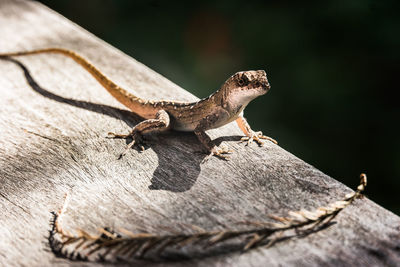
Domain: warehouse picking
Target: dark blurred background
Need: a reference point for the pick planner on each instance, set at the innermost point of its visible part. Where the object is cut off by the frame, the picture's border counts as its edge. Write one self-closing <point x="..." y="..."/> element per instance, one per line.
<point x="333" y="67"/>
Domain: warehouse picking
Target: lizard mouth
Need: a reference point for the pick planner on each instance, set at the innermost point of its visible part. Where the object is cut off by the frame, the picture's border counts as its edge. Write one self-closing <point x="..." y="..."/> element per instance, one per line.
<point x="266" y="86"/>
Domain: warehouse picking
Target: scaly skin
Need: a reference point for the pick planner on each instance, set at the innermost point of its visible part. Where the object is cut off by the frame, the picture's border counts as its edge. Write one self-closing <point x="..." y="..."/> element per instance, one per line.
<point x="220" y="108"/>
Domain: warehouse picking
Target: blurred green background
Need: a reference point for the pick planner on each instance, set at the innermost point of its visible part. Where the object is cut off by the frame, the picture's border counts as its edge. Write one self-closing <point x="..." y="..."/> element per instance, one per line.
<point x="333" y="67"/>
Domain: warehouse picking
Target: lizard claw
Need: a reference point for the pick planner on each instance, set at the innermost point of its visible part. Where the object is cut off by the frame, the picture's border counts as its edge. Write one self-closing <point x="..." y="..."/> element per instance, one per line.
<point x="129" y="146"/>
<point x="114" y="135"/>
<point x="257" y="136"/>
<point x="136" y="139"/>
<point x="219" y="152"/>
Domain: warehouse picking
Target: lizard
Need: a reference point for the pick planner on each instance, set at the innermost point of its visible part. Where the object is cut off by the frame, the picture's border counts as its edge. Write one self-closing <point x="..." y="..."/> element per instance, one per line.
<point x="222" y="107"/>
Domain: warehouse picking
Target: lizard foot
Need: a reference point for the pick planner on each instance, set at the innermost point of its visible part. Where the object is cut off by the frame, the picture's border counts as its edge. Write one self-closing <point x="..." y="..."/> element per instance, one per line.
<point x="136" y="139"/>
<point x="257" y="136"/>
<point x="219" y="152"/>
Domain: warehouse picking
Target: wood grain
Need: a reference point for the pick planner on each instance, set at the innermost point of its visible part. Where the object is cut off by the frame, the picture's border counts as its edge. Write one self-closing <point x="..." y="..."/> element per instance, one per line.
<point x="53" y="121"/>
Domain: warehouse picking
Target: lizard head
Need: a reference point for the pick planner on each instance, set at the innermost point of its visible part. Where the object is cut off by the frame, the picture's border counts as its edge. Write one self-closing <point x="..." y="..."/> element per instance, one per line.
<point x="254" y="81"/>
<point x="244" y="86"/>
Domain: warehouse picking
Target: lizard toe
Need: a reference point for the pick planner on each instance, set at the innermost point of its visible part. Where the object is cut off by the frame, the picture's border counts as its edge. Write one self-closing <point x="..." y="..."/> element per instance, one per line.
<point x="221" y="152"/>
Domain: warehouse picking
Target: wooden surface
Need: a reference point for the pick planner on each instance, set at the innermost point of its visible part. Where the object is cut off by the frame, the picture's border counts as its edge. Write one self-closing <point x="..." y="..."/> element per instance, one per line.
<point x="52" y="141"/>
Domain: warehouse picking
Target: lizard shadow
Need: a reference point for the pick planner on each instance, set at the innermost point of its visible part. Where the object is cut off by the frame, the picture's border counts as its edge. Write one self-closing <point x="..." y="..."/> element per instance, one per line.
<point x="128" y="117"/>
<point x="174" y="172"/>
<point x="178" y="166"/>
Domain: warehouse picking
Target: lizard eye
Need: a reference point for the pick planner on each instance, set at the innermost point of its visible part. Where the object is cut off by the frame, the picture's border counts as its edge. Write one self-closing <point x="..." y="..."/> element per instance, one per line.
<point x="241" y="82"/>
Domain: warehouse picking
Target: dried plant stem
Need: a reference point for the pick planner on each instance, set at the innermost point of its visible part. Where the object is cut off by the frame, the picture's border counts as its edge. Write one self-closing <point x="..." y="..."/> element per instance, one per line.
<point x="110" y="245"/>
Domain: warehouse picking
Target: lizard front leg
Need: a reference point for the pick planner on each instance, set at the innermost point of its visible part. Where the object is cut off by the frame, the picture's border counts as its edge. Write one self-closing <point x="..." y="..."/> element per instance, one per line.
<point x="250" y="134"/>
<point x="214" y="150"/>
<point x="160" y="123"/>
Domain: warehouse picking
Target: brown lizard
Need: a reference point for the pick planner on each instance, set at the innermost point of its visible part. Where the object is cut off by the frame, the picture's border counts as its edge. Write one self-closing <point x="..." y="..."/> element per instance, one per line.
<point x="220" y="108"/>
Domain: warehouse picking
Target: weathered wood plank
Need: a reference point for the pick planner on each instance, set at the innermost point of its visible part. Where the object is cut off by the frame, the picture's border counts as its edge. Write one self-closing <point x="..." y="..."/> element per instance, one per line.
<point x="52" y="140"/>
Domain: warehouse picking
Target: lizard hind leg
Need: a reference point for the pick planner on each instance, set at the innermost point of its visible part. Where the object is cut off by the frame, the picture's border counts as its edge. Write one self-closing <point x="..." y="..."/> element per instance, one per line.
<point x="160" y="123"/>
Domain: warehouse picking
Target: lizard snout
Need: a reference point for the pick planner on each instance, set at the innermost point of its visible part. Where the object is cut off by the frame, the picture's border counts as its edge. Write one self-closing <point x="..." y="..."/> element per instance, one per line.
<point x="266" y="86"/>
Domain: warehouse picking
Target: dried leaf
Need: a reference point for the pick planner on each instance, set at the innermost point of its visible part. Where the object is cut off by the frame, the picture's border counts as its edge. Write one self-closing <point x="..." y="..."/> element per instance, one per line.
<point x="253" y="241"/>
<point x="301" y="221"/>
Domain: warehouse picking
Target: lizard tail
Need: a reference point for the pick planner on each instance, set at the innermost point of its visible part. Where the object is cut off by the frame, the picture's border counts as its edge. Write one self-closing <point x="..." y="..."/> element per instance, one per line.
<point x="123" y="96"/>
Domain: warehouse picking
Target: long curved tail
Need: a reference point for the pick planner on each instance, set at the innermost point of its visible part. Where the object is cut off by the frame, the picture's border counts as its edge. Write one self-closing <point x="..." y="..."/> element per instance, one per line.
<point x="123" y="96"/>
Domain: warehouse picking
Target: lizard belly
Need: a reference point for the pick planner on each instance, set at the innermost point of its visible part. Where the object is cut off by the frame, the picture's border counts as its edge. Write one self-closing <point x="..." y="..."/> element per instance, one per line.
<point x="213" y="119"/>
<point x="183" y="126"/>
